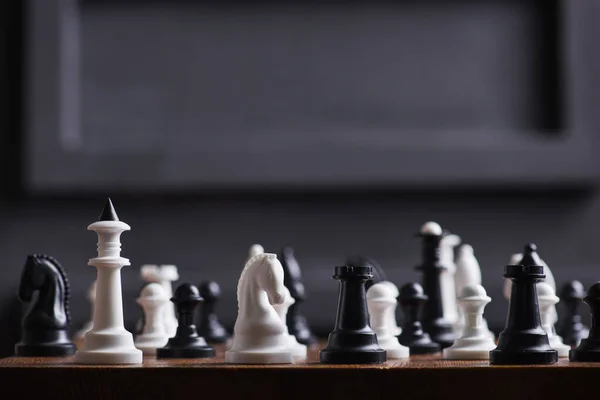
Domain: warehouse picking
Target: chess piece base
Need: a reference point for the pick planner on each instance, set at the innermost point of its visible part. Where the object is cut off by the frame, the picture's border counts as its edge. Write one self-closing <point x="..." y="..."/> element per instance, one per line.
<point x="501" y="357"/>
<point x="584" y="356"/>
<point x="470" y="348"/>
<point x="149" y="345"/>
<point x="424" y="348"/>
<point x="133" y="356"/>
<point x="376" y="356"/>
<point x="561" y="348"/>
<point x="44" y="350"/>
<point x="185" y="352"/>
<point x="397" y="353"/>
<point x="250" y="357"/>
<point x="114" y="347"/>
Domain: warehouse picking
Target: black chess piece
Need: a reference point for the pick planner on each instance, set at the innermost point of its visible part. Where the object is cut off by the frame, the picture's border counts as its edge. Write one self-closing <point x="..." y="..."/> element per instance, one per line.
<point x="412" y="298"/>
<point x="524" y="341"/>
<point x="352" y="341"/>
<point x="210" y="328"/>
<point x="589" y="348"/>
<point x="572" y="330"/>
<point x="292" y="279"/>
<point x="46" y="323"/>
<point x="186" y="343"/>
<point x="364" y="261"/>
<point x="439" y="329"/>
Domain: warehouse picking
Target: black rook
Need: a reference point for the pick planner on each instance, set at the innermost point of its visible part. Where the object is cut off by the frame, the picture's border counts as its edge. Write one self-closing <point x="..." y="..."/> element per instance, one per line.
<point x="352" y="341"/>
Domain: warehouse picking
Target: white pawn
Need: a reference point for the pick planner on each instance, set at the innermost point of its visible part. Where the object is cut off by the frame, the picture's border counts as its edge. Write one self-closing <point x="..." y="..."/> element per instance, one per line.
<point x="396" y="330"/>
<point x="164" y="275"/>
<point x="475" y="343"/>
<point x="154" y="335"/>
<point x="547" y="300"/>
<point x="298" y="349"/>
<point x="91" y="295"/>
<point x="380" y="300"/>
<point x="108" y="342"/>
<point x="447" y="284"/>
<point x="468" y="272"/>
<point x="259" y="334"/>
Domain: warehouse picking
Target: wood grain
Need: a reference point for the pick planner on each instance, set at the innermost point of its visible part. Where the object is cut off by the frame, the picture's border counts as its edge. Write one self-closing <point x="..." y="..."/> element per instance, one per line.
<point x="421" y="376"/>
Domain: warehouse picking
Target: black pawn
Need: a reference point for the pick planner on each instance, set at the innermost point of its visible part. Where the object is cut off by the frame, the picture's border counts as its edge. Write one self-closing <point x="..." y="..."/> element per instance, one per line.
<point x="292" y="279"/>
<point x="352" y="341"/>
<point x="524" y="341"/>
<point x="572" y="330"/>
<point x="46" y="323"/>
<point x="210" y="328"/>
<point x="186" y="343"/>
<point x="439" y="329"/>
<point x="412" y="300"/>
<point x="589" y="349"/>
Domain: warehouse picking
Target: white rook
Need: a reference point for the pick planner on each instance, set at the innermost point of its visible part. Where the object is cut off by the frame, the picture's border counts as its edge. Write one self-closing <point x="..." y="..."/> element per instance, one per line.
<point x="108" y="342"/>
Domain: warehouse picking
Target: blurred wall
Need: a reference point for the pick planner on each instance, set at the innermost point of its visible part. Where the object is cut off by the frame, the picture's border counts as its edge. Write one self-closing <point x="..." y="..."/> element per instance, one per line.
<point x="207" y="236"/>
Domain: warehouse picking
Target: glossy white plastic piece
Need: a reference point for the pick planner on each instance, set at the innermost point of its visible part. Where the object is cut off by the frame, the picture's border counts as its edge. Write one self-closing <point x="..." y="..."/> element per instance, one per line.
<point x="108" y="342"/>
<point x="165" y="275"/>
<point x="260" y="337"/>
<point x="298" y="349"/>
<point x="547" y="300"/>
<point x="549" y="279"/>
<point x="91" y="296"/>
<point x="447" y="284"/>
<point x="255" y="250"/>
<point x="380" y="300"/>
<point x="431" y="228"/>
<point x="396" y="330"/>
<point x="468" y="272"/>
<point x="475" y="342"/>
<point x="153" y="299"/>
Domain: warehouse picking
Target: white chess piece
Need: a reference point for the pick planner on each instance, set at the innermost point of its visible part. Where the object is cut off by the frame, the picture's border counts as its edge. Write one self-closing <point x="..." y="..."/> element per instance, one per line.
<point x="164" y="275"/>
<point x="447" y="285"/>
<point x="468" y="272"/>
<point x="259" y="334"/>
<point x="91" y="295"/>
<point x="396" y="330"/>
<point x="547" y="300"/>
<point x="255" y="250"/>
<point x="298" y="349"/>
<point x="380" y="300"/>
<point x="515" y="259"/>
<point x="108" y="342"/>
<point x="475" y="342"/>
<point x="152" y="299"/>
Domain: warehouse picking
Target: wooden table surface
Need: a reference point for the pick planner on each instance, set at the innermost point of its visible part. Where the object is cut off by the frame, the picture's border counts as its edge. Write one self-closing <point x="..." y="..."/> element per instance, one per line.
<point x="419" y="377"/>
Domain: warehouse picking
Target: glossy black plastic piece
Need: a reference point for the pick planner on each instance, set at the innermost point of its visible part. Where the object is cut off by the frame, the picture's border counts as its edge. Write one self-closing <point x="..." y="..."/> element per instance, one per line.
<point x="439" y="329"/>
<point x="352" y="341"/>
<point x="589" y="348"/>
<point x="186" y="343"/>
<point x="108" y="212"/>
<point x="292" y="279"/>
<point x="364" y="261"/>
<point x="46" y="323"/>
<point x="210" y="327"/>
<point x="412" y="298"/>
<point x="524" y="341"/>
<point x="572" y="329"/>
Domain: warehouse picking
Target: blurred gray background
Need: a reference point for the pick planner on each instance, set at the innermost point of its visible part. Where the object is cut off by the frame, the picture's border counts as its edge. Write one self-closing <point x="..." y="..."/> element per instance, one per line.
<point x="337" y="127"/>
